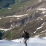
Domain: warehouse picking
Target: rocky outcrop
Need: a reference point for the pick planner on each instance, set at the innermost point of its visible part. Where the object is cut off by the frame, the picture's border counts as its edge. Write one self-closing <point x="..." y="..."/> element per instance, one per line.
<point x="24" y="21"/>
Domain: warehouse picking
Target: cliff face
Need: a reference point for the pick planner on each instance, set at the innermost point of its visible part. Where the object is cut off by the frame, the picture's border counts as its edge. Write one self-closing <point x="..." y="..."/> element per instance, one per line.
<point x="28" y="19"/>
<point x="22" y="22"/>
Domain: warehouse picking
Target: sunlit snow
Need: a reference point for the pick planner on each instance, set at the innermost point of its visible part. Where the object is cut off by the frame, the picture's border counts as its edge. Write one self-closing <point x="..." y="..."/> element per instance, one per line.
<point x="39" y="18"/>
<point x="39" y="27"/>
<point x="45" y="15"/>
<point x="5" y="29"/>
<point x="9" y="8"/>
<point x="18" y="15"/>
<point x="43" y="12"/>
<point x="0" y="18"/>
<point x="42" y="9"/>
<point x="43" y="31"/>
<point x="31" y="42"/>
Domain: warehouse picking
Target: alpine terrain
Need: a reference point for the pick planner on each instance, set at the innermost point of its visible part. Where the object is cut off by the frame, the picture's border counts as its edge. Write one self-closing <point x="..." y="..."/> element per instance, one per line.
<point x="16" y="16"/>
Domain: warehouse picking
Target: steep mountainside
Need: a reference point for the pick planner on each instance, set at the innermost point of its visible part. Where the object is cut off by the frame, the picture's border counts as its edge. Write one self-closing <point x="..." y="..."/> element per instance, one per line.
<point x="30" y="17"/>
<point x="10" y="7"/>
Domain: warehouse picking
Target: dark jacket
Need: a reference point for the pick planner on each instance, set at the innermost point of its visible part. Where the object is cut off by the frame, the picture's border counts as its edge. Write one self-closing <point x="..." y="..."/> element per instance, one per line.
<point x="25" y="35"/>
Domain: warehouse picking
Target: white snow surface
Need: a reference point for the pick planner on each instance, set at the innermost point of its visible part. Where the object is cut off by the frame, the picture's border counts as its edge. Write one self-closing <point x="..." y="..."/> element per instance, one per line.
<point x="43" y="31"/>
<point x="5" y="29"/>
<point x="30" y="42"/>
<point x="17" y="16"/>
<point x="43" y="12"/>
<point x="39" y="18"/>
<point x="9" y="8"/>
<point x="45" y="15"/>
<point x="42" y="9"/>
<point x="40" y="27"/>
<point x="0" y="18"/>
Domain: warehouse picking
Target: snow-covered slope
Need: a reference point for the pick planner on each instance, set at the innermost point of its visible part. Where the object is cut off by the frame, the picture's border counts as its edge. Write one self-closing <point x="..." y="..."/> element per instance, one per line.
<point x="31" y="42"/>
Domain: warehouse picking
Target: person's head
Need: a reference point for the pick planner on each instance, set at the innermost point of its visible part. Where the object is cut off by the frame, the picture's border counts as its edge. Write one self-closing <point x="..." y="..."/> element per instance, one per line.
<point x="24" y="31"/>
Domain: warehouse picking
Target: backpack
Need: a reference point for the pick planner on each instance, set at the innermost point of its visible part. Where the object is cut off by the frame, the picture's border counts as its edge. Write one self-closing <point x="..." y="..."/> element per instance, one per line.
<point x="27" y="35"/>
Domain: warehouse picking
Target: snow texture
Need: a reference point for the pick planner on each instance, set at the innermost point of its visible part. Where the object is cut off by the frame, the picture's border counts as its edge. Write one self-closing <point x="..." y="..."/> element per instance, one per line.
<point x="17" y="15"/>
<point x="31" y="42"/>
<point x="42" y="9"/>
<point x="5" y="29"/>
<point x="0" y="18"/>
<point x="39" y="18"/>
<point x="40" y="26"/>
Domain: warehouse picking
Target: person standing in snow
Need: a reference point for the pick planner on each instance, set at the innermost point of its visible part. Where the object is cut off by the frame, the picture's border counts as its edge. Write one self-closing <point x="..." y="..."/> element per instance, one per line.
<point x="25" y="36"/>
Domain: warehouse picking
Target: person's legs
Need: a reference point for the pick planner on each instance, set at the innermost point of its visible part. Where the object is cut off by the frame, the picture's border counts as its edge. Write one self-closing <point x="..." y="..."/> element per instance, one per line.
<point x="25" y="42"/>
